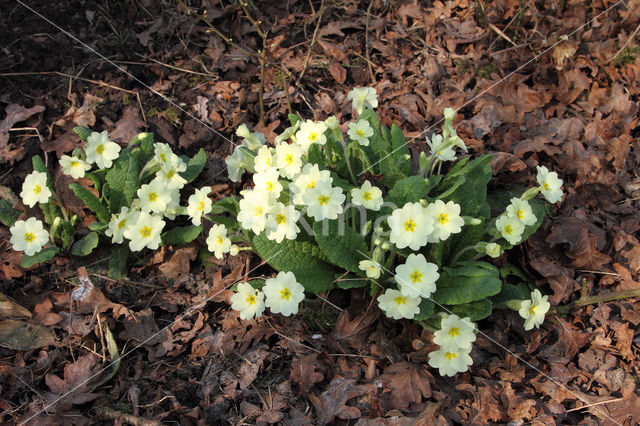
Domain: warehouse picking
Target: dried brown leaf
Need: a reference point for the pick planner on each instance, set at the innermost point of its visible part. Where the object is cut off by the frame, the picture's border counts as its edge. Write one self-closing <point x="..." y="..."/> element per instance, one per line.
<point x="407" y="383"/>
<point x="23" y="336"/>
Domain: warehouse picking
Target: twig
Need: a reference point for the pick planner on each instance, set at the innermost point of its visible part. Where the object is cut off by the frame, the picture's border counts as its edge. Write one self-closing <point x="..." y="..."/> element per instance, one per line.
<point x="594" y="404"/>
<point x="75" y="77"/>
<point x="625" y="43"/>
<point x="261" y="56"/>
<point x="501" y="34"/>
<point x="585" y="300"/>
<point x="217" y="31"/>
<point x="290" y="339"/>
<point x="313" y="42"/>
<point x="366" y="44"/>
<point x="112" y="414"/>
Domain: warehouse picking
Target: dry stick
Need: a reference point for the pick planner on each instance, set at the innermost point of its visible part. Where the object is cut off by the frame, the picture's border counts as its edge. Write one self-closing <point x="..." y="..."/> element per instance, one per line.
<point x="109" y="413"/>
<point x="88" y="80"/>
<point x="313" y="42"/>
<point x="262" y="57"/>
<point x="625" y="43"/>
<point x="366" y="44"/>
<point x="585" y="300"/>
<point x="594" y="404"/>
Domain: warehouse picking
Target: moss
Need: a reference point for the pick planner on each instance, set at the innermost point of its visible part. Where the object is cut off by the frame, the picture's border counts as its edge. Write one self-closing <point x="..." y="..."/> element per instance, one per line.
<point x="627" y="56"/>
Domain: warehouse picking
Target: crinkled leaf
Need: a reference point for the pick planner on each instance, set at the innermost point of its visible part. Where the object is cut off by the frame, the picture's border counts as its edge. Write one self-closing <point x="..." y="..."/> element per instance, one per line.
<point x="98" y="226"/>
<point x="510" y="292"/>
<point x="195" y="166"/>
<point x="83" y="132"/>
<point x="400" y="150"/>
<point x="426" y="310"/>
<point x="350" y="281"/>
<point x="469" y="282"/>
<point x="472" y="193"/>
<point x="123" y="181"/>
<point x="342" y="245"/>
<point x="181" y="235"/>
<point x="85" y="245"/>
<point x="474" y="310"/>
<point x="91" y="201"/>
<point x="316" y="156"/>
<point x="226" y="205"/>
<point x="408" y="190"/>
<point x="8" y="215"/>
<point x="23" y="336"/>
<point x="305" y="260"/>
<point x="42" y="256"/>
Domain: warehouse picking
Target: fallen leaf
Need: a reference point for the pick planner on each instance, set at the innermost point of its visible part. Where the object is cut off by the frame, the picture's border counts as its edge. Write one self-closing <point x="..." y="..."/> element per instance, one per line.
<point x="10" y="309"/>
<point x="338" y="72"/>
<point x="307" y="371"/>
<point x="128" y="126"/>
<point x="22" y="336"/>
<point x="333" y="402"/>
<point x="251" y="364"/>
<point x="333" y="50"/>
<point x="407" y="383"/>
<point x="582" y="244"/>
<point x="15" y="114"/>
<point x="75" y="386"/>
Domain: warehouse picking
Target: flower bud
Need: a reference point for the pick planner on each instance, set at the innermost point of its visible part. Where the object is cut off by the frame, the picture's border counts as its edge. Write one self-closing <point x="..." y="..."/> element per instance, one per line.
<point x="386" y="245"/>
<point x="234" y="250"/>
<point x="332" y="123"/>
<point x="449" y="113"/>
<point x="530" y="193"/>
<point x="468" y="220"/>
<point x="422" y="161"/>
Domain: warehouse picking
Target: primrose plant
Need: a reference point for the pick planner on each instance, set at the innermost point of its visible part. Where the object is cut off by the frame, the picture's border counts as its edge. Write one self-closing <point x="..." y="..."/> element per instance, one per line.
<point x="135" y="194"/>
<point x="328" y="211"/>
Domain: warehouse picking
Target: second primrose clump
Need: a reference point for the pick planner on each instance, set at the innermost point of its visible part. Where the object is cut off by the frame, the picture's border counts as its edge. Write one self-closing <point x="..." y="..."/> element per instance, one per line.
<point x="328" y="211"/>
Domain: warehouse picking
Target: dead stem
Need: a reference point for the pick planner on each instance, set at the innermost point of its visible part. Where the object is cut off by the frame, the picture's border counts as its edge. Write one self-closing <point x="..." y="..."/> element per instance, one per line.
<point x="313" y="42"/>
<point x="366" y="44"/>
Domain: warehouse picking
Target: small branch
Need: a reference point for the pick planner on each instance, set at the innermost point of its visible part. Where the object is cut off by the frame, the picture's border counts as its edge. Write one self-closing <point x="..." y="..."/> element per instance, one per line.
<point x="585" y="300"/>
<point x="366" y="44"/>
<point x="313" y="42"/>
<point x="625" y="43"/>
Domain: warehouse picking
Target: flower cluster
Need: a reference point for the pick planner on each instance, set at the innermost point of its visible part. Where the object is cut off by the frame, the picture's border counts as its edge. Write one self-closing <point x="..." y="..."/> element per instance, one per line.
<point x="454" y="338"/>
<point x="281" y="295"/>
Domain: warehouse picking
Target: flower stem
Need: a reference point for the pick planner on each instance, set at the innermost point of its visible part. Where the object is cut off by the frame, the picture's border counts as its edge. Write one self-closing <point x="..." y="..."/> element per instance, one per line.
<point x="464" y="250"/>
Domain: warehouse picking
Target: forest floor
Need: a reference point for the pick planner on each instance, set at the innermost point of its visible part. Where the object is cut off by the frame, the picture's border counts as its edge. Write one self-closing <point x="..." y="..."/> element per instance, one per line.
<point x="535" y="83"/>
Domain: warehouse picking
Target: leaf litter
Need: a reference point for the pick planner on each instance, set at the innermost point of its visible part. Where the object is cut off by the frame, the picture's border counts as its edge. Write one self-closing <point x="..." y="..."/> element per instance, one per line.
<point x="571" y="109"/>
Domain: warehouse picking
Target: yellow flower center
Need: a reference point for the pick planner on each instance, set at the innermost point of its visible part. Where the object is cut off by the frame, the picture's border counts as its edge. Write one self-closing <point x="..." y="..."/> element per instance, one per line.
<point x="520" y="214"/>
<point x="267" y="161"/>
<point x="153" y="196"/>
<point x="220" y="240"/>
<point x="416" y="277"/>
<point x="443" y="218"/>
<point x="251" y="300"/>
<point x="323" y="199"/>
<point x="285" y="294"/>
<point x="145" y="232"/>
<point x="29" y="237"/>
<point x="410" y="225"/>
<point x="163" y="157"/>
<point x="122" y="223"/>
<point x="37" y="189"/>
<point x="100" y="149"/>
<point x="366" y="196"/>
<point x="508" y="229"/>
<point x="546" y="186"/>
<point x="201" y="206"/>
<point x="313" y="136"/>
<point x="400" y="300"/>
<point x="450" y="355"/>
<point x="454" y="331"/>
<point x="269" y="186"/>
<point x="311" y="184"/>
<point x="75" y="164"/>
<point x="280" y="219"/>
<point x="532" y="310"/>
<point x="258" y="211"/>
<point x="289" y="159"/>
<point x="170" y="174"/>
<point x="360" y="133"/>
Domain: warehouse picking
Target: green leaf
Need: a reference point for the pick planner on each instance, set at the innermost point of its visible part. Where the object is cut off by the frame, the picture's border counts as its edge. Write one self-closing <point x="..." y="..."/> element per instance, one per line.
<point x="92" y="202"/>
<point x="471" y="281"/>
<point x="293" y="119"/>
<point x="408" y="190"/>
<point x="226" y="205"/>
<point x="256" y="283"/>
<point x="181" y="235"/>
<point x="85" y="245"/>
<point x="228" y="221"/>
<point x="98" y="226"/>
<point x="475" y="310"/>
<point x="195" y="166"/>
<point x="67" y="234"/>
<point x="8" y="215"/>
<point x="305" y="260"/>
<point x="343" y="247"/>
<point x="42" y="256"/>
<point x="350" y="282"/>
<point x="118" y="261"/>
<point x="83" y="132"/>
<point x="315" y="156"/>
<point x="123" y="181"/>
<point x="472" y="193"/>
<point x="426" y="310"/>
<point x="511" y="292"/>
<point x="51" y="212"/>
<point x="141" y="146"/>
<point x="97" y="177"/>
<point x="400" y="150"/>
